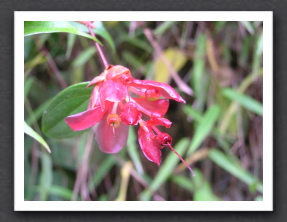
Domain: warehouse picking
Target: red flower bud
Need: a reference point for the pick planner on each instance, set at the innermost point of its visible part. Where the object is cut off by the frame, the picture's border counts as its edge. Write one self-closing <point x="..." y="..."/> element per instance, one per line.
<point x="163" y="140"/>
<point x="130" y="115"/>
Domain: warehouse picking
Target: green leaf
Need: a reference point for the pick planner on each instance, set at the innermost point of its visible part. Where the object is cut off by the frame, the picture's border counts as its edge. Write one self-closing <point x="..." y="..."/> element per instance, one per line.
<point x="46" y="177"/>
<point x="135" y="41"/>
<point x="37" y="27"/>
<point x="183" y="182"/>
<point x="132" y="148"/>
<point x="27" y="86"/>
<point x="61" y="192"/>
<point x="101" y="172"/>
<point x="98" y="30"/>
<point x="101" y="31"/>
<point x="192" y="113"/>
<point x="29" y="131"/>
<point x="234" y="168"/>
<point x="70" y="44"/>
<point x="244" y="100"/>
<point x="198" y="77"/>
<point x="37" y="113"/>
<point x="71" y="100"/>
<point x="131" y="59"/>
<point x="248" y="26"/>
<point x="204" y="127"/>
<point x="203" y="191"/>
<point x="163" y="27"/>
<point x="84" y="57"/>
<point x="166" y="169"/>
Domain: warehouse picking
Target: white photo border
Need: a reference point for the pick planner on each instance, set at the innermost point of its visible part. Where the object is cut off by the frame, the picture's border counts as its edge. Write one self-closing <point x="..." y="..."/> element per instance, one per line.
<point x="21" y="205"/>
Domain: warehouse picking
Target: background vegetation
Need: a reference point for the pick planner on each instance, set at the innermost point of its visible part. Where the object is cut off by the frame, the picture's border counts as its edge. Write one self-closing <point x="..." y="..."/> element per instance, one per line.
<point x="217" y="69"/>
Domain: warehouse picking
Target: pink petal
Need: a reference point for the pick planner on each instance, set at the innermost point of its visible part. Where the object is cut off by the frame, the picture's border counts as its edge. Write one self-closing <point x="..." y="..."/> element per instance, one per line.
<point x="112" y="91"/>
<point x="111" y="140"/>
<point x="95" y="98"/>
<point x="158" y="121"/>
<point x="130" y="115"/>
<point x="147" y="144"/>
<point x="116" y="71"/>
<point x="96" y="80"/>
<point x="152" y="108"/>
<point x="164" y="89"/>
<point x="86" y="119"/>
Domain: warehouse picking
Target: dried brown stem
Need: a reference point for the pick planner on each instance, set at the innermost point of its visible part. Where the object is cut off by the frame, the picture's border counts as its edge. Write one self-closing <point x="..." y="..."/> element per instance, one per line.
<point x="181" y="84"/>
<point x="81" y="179"/>
<point x="54" y="67"/>
<point x="138" y="178"/>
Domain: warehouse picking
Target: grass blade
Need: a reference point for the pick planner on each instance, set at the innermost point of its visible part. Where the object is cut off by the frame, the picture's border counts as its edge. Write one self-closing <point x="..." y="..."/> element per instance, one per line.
<point x="244" y="100"/>
<point x="29" y="131"/>
<point x="46" y="177"/>
<point x="204" y="127"/>
<point x="166" y="169"/>
<point x="62" y="192"/>
<point x="202" y="190"/>
<point x="101" y="172"/>
<point x="234" y="168"/>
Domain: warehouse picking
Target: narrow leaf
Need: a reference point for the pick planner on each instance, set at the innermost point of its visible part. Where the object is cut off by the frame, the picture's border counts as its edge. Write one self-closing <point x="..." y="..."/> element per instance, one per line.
<point x="62" y="192"/>
<point x="204" y="127"/>
<point x="99" y="30"/>
<point x="183" y="182"/>
<point x="244" y="100"/>
<point x="29" y="131"/>
<point x="166" y="169"/>
<point x="247" y="25"/>
<point x="38" y="27"/>
<point x="70" y="44"/>
<point x="83" y="57"/>
<point x="163" y="27"/>
<point x="234" y="168"/>
<point x="198" y="77"/>
<point x="203" y="190"/>
<point x="46" y="177"/>
<point x="101" y="172"/>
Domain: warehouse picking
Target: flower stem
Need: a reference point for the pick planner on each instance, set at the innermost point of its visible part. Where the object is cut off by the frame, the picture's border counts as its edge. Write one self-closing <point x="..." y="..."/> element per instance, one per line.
<point x="104" y="60"/>
<point x="192" y="172"/>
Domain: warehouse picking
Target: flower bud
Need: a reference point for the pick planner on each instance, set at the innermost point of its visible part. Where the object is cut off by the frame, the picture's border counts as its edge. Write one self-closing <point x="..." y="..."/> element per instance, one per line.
<point x="130" y="115"/>
<point x="163" y="140"/>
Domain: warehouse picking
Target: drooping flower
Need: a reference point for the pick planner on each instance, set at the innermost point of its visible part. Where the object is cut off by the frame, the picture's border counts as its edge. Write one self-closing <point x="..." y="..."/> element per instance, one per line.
<point x="113" y="107"/>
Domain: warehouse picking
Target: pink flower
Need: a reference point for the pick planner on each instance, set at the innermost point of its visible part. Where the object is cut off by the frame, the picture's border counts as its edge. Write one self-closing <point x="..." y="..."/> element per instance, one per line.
<point x="117" y="101"/>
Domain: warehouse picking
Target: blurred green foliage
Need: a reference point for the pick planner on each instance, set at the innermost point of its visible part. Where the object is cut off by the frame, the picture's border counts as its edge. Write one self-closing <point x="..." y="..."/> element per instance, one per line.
<point x="218" y="131"/>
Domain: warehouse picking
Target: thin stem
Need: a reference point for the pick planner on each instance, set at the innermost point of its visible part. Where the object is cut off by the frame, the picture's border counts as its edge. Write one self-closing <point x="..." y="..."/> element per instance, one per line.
<point x="156" y="130"/>
<point x="54" y="67"/>
<point x="138" y="178"/>
<point x="193" y="174"/>
<point x="180" y="83"/>
<point x="106" y="65"/>
<point x="136" y="91"/>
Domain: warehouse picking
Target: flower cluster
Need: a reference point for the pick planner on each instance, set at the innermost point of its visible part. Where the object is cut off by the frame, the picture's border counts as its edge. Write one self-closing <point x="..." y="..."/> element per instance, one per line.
<point x="117" y="101"/>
